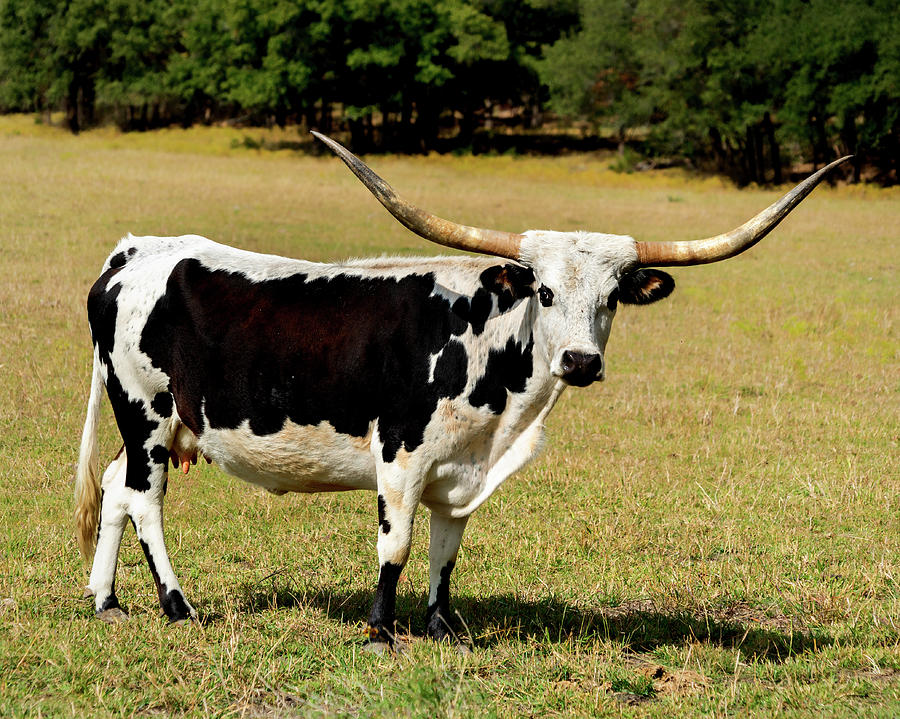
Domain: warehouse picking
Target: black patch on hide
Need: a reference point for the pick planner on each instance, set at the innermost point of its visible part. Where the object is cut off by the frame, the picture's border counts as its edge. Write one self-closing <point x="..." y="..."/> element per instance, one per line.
<point x="507" y="370"/>
<point x="346" y="350"/>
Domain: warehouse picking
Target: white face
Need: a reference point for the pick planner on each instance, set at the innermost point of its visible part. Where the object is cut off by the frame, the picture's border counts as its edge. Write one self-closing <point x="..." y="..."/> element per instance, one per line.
<point x="576" y="276"/>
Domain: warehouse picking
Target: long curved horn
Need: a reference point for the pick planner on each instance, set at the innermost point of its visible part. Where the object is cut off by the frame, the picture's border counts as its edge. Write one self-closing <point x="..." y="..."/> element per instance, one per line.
<point x="721" y="247"/>
<point x="431" y="227"/>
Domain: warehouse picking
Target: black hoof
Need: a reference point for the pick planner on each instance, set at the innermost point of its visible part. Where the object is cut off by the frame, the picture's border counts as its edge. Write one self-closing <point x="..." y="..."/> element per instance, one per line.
<point x="441" y="634"/>
<point x="176" y="608"/>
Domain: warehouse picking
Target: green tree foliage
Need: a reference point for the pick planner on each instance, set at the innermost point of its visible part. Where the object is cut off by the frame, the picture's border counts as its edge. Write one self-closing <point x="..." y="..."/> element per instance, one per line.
<point x="740" y="84"/>
<point x="134" y="81"/>
<point x="592" y="73"/>
<point x="25" y="48"/>
<point x="144" y="63"/>
<point x="841" y="84"/>
<point x="745" y="86"/>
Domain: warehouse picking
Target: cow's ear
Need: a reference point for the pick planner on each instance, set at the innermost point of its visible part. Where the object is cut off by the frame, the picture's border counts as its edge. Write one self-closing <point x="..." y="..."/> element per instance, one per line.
<point x="642" y="287"/>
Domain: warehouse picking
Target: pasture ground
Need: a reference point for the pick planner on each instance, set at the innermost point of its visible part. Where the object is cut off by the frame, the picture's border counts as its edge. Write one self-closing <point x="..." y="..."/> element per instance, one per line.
<point x="712" y="531"/>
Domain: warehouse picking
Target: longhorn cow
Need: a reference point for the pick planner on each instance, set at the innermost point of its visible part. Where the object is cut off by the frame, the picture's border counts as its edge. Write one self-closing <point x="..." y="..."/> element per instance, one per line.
<point x="425" y="380"/>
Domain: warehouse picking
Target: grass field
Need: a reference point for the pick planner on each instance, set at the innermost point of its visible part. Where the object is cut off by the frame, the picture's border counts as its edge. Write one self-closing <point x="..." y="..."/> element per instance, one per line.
<point x="715" y="530"/>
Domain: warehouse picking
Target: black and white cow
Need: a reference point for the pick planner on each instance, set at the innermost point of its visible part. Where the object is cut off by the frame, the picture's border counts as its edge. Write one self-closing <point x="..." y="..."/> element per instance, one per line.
<point x="425" y="380"/>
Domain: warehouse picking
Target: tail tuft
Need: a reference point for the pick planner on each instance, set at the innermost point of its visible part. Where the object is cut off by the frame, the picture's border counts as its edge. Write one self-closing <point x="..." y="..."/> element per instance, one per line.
<point x="87" y="485"/>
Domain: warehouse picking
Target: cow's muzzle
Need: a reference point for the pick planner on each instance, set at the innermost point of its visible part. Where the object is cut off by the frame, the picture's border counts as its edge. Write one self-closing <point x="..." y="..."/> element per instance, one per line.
<point x="580" y="369"/>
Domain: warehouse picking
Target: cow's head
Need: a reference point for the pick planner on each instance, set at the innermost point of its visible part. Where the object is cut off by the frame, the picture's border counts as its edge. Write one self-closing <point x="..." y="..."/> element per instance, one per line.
<point x="581" y="277"/>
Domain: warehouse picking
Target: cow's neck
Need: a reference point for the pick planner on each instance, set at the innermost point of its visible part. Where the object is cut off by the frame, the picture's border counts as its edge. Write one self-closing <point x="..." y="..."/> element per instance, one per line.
<point x="526" y="411"/>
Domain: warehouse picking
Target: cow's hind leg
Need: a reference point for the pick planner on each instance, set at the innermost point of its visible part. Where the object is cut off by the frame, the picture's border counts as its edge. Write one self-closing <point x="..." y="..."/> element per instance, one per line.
<point x="121" y="502"/>
<point x="446" y="535"/>
<point x="135" y="491"/>
<point x="146" y="483"/>
<point x="148" y="523"/>
<point x="102" y="583"/>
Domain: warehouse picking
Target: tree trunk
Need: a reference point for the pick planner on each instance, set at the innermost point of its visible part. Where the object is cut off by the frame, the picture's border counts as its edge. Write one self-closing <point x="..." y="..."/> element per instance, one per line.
<point x="774" y="153"/>
<point x="71" y="106"/>
<point x="851" y="142"/>
<point x="468" y="123"/>
<point x="309" y="115"/>
<point x="387" y="129"/>
<point x="426" y="124"/>
<point x="407" y="131"/>
<point x="750" y="155"/>
<point x="327" y="119"/>
<point x="820" y="142"/>
<point x="760" y="156"/>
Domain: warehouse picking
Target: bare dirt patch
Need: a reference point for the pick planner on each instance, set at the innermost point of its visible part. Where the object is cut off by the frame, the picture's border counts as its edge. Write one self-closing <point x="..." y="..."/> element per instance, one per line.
<point x="647" y="681"/>
<point x="680" y="682"/>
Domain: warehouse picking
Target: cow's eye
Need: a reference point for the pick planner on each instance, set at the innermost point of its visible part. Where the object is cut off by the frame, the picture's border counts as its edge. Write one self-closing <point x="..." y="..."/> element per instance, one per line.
<point x="613" y="300"/>
<point x="545" y="294"/>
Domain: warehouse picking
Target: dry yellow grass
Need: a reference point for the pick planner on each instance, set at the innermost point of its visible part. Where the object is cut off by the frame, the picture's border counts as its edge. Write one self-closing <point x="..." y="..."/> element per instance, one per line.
<point x="714" y="530"/>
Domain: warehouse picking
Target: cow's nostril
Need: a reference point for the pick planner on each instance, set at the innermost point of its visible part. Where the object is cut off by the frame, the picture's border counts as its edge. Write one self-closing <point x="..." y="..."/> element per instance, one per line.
<point x="581" y="369"/>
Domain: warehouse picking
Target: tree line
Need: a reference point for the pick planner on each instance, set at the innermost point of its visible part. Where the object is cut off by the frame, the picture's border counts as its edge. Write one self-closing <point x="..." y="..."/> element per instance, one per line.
<point x="745" y="87"/>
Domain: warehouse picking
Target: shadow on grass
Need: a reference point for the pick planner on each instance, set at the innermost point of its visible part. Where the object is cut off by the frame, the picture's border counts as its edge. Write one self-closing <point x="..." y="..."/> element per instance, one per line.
<point x="638" y="625"/>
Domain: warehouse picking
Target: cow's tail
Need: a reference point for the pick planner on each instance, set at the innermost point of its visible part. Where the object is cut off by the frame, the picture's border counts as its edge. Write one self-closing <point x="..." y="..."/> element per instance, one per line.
<point x="87" y="483"/>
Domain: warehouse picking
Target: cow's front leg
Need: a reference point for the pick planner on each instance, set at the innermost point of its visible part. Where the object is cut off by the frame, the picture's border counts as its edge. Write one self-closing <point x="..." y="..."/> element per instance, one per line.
<point x="446" y="534"/>
<point x="398" y="497"/>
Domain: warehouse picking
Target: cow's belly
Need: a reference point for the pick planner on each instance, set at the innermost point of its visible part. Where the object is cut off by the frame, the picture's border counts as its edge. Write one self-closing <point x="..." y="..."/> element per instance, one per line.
<point x="295" y="459"/>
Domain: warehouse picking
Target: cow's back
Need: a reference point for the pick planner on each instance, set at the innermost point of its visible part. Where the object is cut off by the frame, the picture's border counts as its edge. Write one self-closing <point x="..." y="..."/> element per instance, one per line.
<point x="282" y="367"/>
